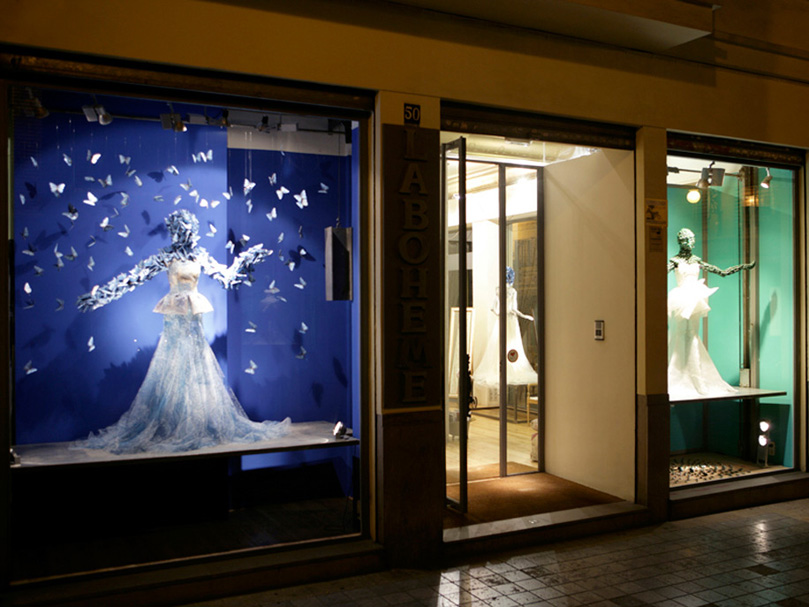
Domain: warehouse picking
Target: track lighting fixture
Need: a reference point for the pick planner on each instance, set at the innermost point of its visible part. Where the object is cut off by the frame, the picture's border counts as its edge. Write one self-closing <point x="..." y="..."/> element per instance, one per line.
<point x="34" y="108"/>
<point x="97" y="113"/>
<point x="222" y="121"/>
<point x="765" y="183"/>
<point x="264" y="125"/>
<point x="711" y="176"/>
<point x="173" y="122"/>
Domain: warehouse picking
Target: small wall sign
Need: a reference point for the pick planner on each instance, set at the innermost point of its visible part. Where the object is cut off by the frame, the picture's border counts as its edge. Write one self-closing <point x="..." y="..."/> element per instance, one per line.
<point x="412" y="114"/>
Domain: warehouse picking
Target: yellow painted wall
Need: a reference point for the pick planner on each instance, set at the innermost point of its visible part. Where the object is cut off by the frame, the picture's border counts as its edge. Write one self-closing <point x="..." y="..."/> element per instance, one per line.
<point x="385" y="47"/>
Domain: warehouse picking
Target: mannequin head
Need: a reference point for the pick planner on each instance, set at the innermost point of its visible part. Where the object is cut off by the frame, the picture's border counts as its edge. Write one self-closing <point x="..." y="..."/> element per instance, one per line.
<point x="686" y="239"/>
<point x="183" y="226"/>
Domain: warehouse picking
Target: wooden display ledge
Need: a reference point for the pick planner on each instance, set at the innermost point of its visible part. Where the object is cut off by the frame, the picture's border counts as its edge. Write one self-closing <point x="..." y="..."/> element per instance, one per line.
<point x="741" y="394"/>
<point x="303" y="435"/>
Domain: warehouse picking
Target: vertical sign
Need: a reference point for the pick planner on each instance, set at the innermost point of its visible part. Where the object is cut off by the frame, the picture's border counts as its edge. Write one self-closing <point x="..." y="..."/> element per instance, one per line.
<point x="413" y="325"/>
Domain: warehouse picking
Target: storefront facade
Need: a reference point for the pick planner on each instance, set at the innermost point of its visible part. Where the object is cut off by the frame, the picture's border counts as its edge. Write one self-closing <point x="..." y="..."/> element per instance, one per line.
<point x="540" y="182"/>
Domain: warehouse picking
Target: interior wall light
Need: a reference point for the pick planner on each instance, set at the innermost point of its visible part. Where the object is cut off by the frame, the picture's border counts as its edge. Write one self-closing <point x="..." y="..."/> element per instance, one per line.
<point x="97" y="113"/>
<point x="693" y="196"/>
<point x="764" y="443"/>
<point x="765" y="183"/>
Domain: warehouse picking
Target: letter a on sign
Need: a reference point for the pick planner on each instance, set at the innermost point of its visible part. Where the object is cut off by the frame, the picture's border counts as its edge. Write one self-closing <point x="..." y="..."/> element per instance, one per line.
<point x="412" y="176"/>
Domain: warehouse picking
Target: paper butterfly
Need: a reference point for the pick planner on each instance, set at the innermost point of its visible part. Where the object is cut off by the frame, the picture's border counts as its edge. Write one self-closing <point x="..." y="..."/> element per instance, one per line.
<point x="106" y="182"/>
<point x="124" y="199"/>
<point x="72" y="255"/>
<point x="60" y="305"/>
<point x="125" y="233"/>
<point x="252" y="328"/>
<point x="130" y="172"/>
<point x="229" y="194"/>
<point x="248" y="186"/>
<point x="177" y="199"/>
<point x="301" y="200"/>
<point x="72" y="213"/>
<point x="324" y="189"/>
<point x="186" y="186"/>
<point x="91" y="199"/>
<point x="93" y="158"/>
<point x="38" y="271"/>
<point x="91" y="344"/>
<point x="249" y="204"/>
<point x="272" y="289"/>
<point x="280" y="238"/>
<point x="29" y="367"/>
<point x="203" y="157"/>
<point x="128" y="251"/>
<point x="303" y="328"/>
<point x="273" y="179"/>
<point x="27" y="288"/>
<point x="124" y="159"/>
<point x="57" y="188"/>
<point x="211" y="230"/>
<point x="34" y="162"/>
<point x="172" y="169"/>
<point x="301" y="283"/>
<point x="272" y="214"/>
<point x="91" y="264"/>
<point x="138" y="182"/>
<point x="203" y="203"/>
<point x="214" y="204"/>
<point x="105" y="224"/>
<point x="302" y="354"/>
<point x="158" y="198"/>
<point x="281" y="191"/>
<point x="68" y="160"/>
<point x="252" y="368"/>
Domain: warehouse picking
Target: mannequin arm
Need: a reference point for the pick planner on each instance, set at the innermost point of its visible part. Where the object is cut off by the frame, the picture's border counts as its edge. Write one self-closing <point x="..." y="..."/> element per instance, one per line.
<point x="240" y="269"/>
<point x="101" y="295"/>
<point x="731" y="270"/>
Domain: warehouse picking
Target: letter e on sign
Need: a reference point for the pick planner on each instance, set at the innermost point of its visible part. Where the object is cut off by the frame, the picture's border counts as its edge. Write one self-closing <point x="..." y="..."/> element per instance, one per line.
<point x="412" y="114"/>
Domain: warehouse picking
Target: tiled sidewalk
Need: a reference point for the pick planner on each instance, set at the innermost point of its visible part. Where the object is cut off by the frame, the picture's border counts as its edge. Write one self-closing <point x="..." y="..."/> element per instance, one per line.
<point x="757" y="556"/>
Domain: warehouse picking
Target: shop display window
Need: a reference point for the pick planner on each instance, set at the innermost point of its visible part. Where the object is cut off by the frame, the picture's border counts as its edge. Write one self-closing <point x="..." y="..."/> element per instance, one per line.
<point x="731" y="316"/>
<point x="184" y="280"/>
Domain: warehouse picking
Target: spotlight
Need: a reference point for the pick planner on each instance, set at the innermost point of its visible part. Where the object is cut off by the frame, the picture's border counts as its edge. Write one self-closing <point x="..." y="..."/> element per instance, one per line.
<point x="711" y="176"/>
<point x="264" y="125"/>
<point x="765" y="183"/>
<point x="222" y="120"/>
<point x="693" y="196"/>
<point x="340" y="431"/>
<point x="763" y="449"/>
<point x="33" y="107"/>
<point x="97" y="113"/>
<point x="173" y="122"/>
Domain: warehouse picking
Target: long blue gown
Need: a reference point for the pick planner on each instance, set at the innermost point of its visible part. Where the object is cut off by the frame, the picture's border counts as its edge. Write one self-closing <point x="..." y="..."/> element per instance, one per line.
<point x="184" y="402"/>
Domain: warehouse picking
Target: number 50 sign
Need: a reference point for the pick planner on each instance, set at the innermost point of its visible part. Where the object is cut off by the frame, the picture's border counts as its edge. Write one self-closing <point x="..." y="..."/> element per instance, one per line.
<point x="412" y="114"/>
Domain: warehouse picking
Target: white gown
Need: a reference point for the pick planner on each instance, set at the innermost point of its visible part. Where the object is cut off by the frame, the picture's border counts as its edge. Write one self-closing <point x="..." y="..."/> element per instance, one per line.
<point x="518" y="369"/>
<point x="183" y="402"/>
<point x="691" y="372"/>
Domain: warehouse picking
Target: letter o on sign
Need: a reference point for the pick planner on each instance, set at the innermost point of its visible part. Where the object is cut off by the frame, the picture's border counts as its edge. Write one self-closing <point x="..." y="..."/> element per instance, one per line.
<point x="412" y="248"/>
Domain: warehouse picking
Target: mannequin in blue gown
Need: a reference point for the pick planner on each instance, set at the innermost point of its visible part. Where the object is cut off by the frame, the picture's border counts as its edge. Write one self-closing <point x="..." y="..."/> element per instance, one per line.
<point x="183" y="402"/>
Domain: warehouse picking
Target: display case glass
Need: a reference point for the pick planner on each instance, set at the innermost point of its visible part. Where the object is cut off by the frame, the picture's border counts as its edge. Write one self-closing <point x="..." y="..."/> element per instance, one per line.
<point x="183" y="282"/>
<point x="731" y="317"/>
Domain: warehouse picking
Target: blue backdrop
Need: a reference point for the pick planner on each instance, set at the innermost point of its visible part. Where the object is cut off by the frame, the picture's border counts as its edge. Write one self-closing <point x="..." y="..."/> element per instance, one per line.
<point x="77" y="372"/>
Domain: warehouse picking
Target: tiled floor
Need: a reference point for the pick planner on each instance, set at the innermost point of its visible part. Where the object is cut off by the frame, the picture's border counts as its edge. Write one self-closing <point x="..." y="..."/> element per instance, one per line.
<point x="752" y="557"/>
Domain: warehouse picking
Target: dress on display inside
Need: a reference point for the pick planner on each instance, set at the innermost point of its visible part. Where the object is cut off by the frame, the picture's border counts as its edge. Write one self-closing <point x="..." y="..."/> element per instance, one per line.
<point x="519" y="370"/>
<point x="691" y="372"/>
<point x="183" y="402"/>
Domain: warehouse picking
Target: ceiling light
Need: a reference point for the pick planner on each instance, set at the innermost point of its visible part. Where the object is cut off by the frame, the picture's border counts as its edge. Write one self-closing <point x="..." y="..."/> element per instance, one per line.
<point x="765" y="183"/>
<point x="693" y="196"/>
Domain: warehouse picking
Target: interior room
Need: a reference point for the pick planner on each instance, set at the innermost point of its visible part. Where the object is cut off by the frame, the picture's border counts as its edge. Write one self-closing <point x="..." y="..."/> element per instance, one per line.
<point x="503" y="467"/>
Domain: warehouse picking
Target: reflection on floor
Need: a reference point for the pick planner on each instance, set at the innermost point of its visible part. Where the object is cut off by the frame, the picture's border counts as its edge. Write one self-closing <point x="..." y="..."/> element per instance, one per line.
<point x="492" y="498"/>
<point x="695" y="468"/>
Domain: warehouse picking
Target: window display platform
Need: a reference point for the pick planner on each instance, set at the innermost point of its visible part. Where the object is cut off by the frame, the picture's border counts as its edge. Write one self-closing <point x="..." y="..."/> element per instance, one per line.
<point x="741" y="394"/>
<point x="698" y="468"/>
<point x="302" y="435"/>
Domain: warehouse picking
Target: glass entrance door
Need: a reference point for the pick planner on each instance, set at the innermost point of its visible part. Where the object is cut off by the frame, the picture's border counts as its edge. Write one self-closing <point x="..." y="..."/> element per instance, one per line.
<point x="492" y="284"/>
